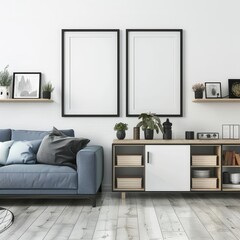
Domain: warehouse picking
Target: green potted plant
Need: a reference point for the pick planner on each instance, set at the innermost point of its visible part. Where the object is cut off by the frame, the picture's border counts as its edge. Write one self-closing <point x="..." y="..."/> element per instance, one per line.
<point x="150" y="122"/>
<point x="198" y="89"/>
<point x="47" y="89"/>
<point x="121" y="128"/>
<point x="5" y="82"/>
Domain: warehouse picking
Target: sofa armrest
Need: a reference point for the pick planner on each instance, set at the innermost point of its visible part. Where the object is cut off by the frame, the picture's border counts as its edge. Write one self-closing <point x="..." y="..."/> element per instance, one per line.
<point x="90" y="169"/>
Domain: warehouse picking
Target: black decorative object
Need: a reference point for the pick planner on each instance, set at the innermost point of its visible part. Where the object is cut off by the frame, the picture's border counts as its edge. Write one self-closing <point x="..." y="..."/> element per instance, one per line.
<point x="226" y="177"/>
<point x="213" y="90"/>
<point x="234" y="88"/>
<point x="148" y="134"/>
<point x="167" y="130"/>
<point x="121" y="134"/>
<point x="189" y="135"/>
<point x="136" y="133"/>
<point x="154" y="64"/>
<point x="198" y="94"/>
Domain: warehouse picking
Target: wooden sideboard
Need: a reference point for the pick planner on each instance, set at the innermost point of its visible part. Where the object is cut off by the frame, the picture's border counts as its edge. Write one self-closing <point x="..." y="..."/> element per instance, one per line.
<point x="174" y="165"/>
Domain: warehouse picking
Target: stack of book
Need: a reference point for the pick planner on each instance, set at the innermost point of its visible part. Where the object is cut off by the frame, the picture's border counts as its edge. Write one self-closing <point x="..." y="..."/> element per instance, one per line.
<point x="231" y="158"/>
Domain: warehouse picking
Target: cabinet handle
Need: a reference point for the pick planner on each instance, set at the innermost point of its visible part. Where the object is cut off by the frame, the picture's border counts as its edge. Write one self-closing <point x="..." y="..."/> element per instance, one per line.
<point x="148" y="157"/>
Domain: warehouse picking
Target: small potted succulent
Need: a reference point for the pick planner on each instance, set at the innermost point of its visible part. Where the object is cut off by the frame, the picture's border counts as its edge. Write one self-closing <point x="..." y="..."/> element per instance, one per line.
<point x="121" y="128"/>
<point x="198" y="89"/>
<point x="47" y="89"/>
<point x="5" y="82"/>
<point x="149" y="122"/>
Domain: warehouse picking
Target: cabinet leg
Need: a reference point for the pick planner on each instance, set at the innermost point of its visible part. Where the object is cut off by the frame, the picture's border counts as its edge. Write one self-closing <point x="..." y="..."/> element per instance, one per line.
<point x="123" y="195"/>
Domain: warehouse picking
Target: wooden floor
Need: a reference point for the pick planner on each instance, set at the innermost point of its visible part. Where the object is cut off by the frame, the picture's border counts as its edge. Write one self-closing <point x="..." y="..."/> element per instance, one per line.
<point x="140" y="216"/>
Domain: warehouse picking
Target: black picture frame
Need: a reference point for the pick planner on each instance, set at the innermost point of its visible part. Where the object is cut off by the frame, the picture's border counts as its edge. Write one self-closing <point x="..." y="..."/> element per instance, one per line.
<point x="98" y="109"/>
<point x="213" y="90"/>
<point x="234" y="88"/>
<point x="26" y="90"/>
<point x="165" y="108"/>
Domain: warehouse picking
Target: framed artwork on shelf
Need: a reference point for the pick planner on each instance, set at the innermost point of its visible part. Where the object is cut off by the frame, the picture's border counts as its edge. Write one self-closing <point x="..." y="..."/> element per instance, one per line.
<point x="26" y="85"/>
<point x="154" y="71"/>
<point x="213" y="90"/>
<point x="234" y="88"/>
<point x="90" y="72"/>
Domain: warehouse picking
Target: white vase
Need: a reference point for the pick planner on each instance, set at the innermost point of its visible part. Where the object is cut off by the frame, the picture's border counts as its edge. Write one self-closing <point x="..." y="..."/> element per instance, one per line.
<point x="4" y="92"/>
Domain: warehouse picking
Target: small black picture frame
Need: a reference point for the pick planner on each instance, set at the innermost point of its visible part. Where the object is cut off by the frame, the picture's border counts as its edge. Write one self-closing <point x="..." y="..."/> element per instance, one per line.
<point x="26" y="85"/>
<point x="234" y="88"/>
<point x="213" y="90"/>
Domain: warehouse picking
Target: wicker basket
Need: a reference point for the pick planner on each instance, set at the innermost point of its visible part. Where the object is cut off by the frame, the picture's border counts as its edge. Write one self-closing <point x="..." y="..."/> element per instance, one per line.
<point x="203" y="160"/>
<point x="210" y="183"/>
<point x="129" y="160"/>
<point x="129" y="183"/>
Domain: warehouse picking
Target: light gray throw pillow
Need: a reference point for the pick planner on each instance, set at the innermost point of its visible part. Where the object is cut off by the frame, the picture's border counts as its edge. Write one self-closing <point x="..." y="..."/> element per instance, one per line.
<point x="58" y="149"/>
<point x="4" y="151"/>
<point x="23" y="152"/>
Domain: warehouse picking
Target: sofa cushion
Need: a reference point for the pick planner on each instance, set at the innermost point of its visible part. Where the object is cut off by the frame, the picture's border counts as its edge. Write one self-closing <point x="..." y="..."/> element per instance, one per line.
<point x="23" y="152"/>
<point x="5" y="135"/>
<point x="58" y="149"/>
<point x="4" y="151"/>
<point x="37" y="176"/>
<point x="28" y="135"/>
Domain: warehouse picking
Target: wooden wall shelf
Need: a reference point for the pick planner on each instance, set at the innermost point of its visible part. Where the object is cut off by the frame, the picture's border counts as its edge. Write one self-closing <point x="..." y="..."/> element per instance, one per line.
<point x="26" y="100"/>
<point x="204" y="100"/>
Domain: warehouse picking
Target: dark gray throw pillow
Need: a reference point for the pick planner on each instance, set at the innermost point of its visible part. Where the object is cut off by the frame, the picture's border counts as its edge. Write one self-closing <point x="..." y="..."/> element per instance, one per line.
<point x="59" y="149"/>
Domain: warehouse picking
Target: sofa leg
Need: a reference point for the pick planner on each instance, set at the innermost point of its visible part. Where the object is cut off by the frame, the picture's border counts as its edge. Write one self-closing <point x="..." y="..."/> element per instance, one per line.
<point x="93" y="202"/>
<point x="100" y="188"/>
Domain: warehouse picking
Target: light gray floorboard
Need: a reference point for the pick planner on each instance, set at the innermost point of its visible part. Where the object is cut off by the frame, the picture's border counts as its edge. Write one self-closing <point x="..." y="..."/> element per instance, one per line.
<point x="44" y="222"/>
<point x="22" y="210"/>
<point x="212" y="223"/>
<point x="147" y="220"/>
<point x="140" y="216"/>
<point x="65" y="223"/>
<point x="127" y="226"/>
<point x="107" y="221"/>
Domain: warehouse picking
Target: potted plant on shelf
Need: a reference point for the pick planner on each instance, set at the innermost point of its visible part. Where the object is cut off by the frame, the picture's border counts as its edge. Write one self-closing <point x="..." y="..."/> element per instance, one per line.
<point x="5" y="82"/>
<point x="198" y="89"/>
<point x="121" y="128"/>
<point x="47" y="89"/>
<point x="149" y="122"/>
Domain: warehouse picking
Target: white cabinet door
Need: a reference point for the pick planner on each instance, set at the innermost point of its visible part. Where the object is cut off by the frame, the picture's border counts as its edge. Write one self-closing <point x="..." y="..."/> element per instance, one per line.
<point x="167" y="167"/>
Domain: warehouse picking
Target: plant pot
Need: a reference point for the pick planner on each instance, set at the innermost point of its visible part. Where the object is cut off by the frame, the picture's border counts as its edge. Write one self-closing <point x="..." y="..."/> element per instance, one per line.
<point x="148" y="133"/>
<point x="46" y="95"/>
<point x="121" y="134"/>
<point x="4" y="92"/>
<point x="198" y="94"/>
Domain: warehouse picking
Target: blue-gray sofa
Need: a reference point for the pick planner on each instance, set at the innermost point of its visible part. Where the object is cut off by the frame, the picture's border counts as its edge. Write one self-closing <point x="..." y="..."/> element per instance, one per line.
<point x="43" y="180"/>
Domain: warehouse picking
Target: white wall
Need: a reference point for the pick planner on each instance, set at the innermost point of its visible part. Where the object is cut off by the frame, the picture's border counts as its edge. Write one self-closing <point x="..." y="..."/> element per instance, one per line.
<point x="30" y="32"/>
